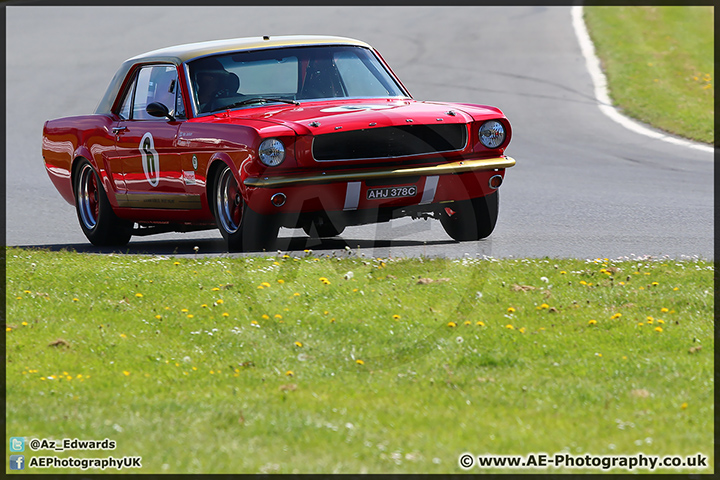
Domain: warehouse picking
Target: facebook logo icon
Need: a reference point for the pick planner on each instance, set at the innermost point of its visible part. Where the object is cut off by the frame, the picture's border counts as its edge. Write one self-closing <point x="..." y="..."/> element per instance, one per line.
<point x="17" y="462"/>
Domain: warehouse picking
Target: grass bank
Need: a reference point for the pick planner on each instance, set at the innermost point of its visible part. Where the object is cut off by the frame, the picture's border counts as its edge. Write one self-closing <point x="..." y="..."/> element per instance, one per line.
<point x="358" y="364"/>
<point x="659" y="62"/>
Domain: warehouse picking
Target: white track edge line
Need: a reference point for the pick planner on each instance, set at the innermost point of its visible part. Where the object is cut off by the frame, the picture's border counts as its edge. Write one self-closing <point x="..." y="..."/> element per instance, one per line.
<point x="601" y="92"/>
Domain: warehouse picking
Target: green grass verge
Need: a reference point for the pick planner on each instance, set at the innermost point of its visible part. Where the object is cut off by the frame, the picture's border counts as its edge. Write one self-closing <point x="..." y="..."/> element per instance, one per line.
<point x="659" y="62"/>
<point x="297" y="365"/>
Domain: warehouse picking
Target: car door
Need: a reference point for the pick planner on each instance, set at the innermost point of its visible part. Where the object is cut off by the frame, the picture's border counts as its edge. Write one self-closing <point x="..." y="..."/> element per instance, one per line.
<point x="146" y="146"/>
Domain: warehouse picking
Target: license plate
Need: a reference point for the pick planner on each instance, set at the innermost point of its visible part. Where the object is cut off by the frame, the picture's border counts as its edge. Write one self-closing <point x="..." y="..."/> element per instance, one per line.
<point x="391" y="192"/>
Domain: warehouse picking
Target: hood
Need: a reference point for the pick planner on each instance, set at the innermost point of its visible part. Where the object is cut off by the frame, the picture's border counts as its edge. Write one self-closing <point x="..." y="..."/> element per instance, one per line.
<point x="327" y="116"/>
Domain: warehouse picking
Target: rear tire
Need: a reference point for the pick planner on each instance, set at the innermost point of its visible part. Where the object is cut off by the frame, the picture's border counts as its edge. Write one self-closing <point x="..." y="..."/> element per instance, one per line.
<point x="97" y="220"/>
<point x="470" y="220"/>
<point x="242" y="228"/>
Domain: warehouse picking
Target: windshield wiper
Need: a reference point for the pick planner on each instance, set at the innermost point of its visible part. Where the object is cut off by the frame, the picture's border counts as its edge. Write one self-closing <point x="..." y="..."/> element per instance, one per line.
<point x="260" y="100"/>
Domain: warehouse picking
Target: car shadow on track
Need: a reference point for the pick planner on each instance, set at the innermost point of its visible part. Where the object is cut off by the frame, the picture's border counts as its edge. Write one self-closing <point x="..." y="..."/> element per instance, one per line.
<point x="218" y="247"/>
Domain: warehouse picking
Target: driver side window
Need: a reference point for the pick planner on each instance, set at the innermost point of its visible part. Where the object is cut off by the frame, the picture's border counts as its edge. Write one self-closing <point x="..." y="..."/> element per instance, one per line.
<point x="156" y="83"/>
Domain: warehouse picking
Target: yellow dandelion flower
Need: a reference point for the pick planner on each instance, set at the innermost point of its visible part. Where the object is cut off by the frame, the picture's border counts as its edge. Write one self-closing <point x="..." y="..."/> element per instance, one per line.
<point x="658" y="329"/>
<point x="225" y="314"/>
<point x="664" y="310"/>
<point x="323" y="279"/>
<point x="355" y="290"/>
<point x="510" y="310"/>
<point x="481" y="324"/>
<point x="641" y="288"/>
<point x="640" y="324"/>
<point x="296" y="294"/>
<point x="176" y="263"/>
<point x="544" y="306"/>
<point x="649" y="318"/>
<point x="158" y="317"/>
<point x="332" y="320"/>
<point x="191" y="315"/>
<point x="254" y="322"/>
<point x="452" y="324"/>
<point x="261" y="287"/>
<point x="684" y="405"/>
<point x="298" y="344"/>
<point x="215" y="289"/>
<point x="281" y="281"/>
<point x="563" y="272"/>
<point x="592" y="322"/>
<point x="278" y="316"/>
<point x="139" y="295"/>
<point x="74" y="299"/>
<point x="396" y="317"/>
<point x="126" y="373"/>
<point x="522" y="330"/>
<point x="24" y="324"/>
<point x="204" y="305"/>
<point x="265" y="284"/>
<point x="219" y="301"/>
<point x="654" y="284"/>
<point x="616" y="316"/>
<point x="122" y="335"/>
<point x="265" y="317"/>
<point x="289" y="373"/>
<point x="660" y="320"/>
<point x="675" y="289"/>
<point x="509" y="327"/>
<point x="583" y="282"/>
<point x="467" y="322"/>
<point x="184" y="310"/>
<point x="8" y="329"/>
<point x="286" y="256"/>
<point x="622" y="283"/>
<point x="359" y="362"/>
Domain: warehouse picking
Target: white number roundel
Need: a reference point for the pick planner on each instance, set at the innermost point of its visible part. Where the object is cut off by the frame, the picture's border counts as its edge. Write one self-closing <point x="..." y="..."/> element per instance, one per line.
<point x="150" y="159"/>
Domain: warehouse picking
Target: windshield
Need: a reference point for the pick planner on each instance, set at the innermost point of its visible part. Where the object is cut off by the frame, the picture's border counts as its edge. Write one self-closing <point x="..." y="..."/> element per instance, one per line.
<point x="289" y="74"/>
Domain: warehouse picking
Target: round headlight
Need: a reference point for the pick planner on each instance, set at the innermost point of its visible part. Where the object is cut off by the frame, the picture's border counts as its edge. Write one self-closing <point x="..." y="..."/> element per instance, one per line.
<point x="271" y="152"/>
<point x="492" y="134"/>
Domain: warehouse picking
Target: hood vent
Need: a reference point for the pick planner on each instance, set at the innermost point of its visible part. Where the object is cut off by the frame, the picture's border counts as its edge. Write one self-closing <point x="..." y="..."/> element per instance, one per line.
<point x="389" y="142"/>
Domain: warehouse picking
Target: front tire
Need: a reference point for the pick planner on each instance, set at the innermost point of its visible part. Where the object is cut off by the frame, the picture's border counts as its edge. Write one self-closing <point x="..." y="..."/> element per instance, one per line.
<point x="470" y="220"/>
<point x="97" y="220"/>
<point x="242" y="228"/>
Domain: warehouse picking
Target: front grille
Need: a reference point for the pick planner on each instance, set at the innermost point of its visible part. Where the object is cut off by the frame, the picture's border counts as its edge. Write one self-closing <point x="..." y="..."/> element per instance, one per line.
<point x="387" y="142"/>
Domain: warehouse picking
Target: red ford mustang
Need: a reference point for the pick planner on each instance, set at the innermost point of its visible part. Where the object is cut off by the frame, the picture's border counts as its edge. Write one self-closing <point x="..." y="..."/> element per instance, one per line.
<point x="248" y="135"/>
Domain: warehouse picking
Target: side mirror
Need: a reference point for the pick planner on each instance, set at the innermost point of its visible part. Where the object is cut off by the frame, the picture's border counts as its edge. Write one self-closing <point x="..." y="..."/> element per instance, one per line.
<point x="157" y="109"/>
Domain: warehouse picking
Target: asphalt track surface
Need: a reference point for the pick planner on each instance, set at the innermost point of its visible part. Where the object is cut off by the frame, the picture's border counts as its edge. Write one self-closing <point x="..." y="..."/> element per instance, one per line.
<point x="583" y="186"/>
